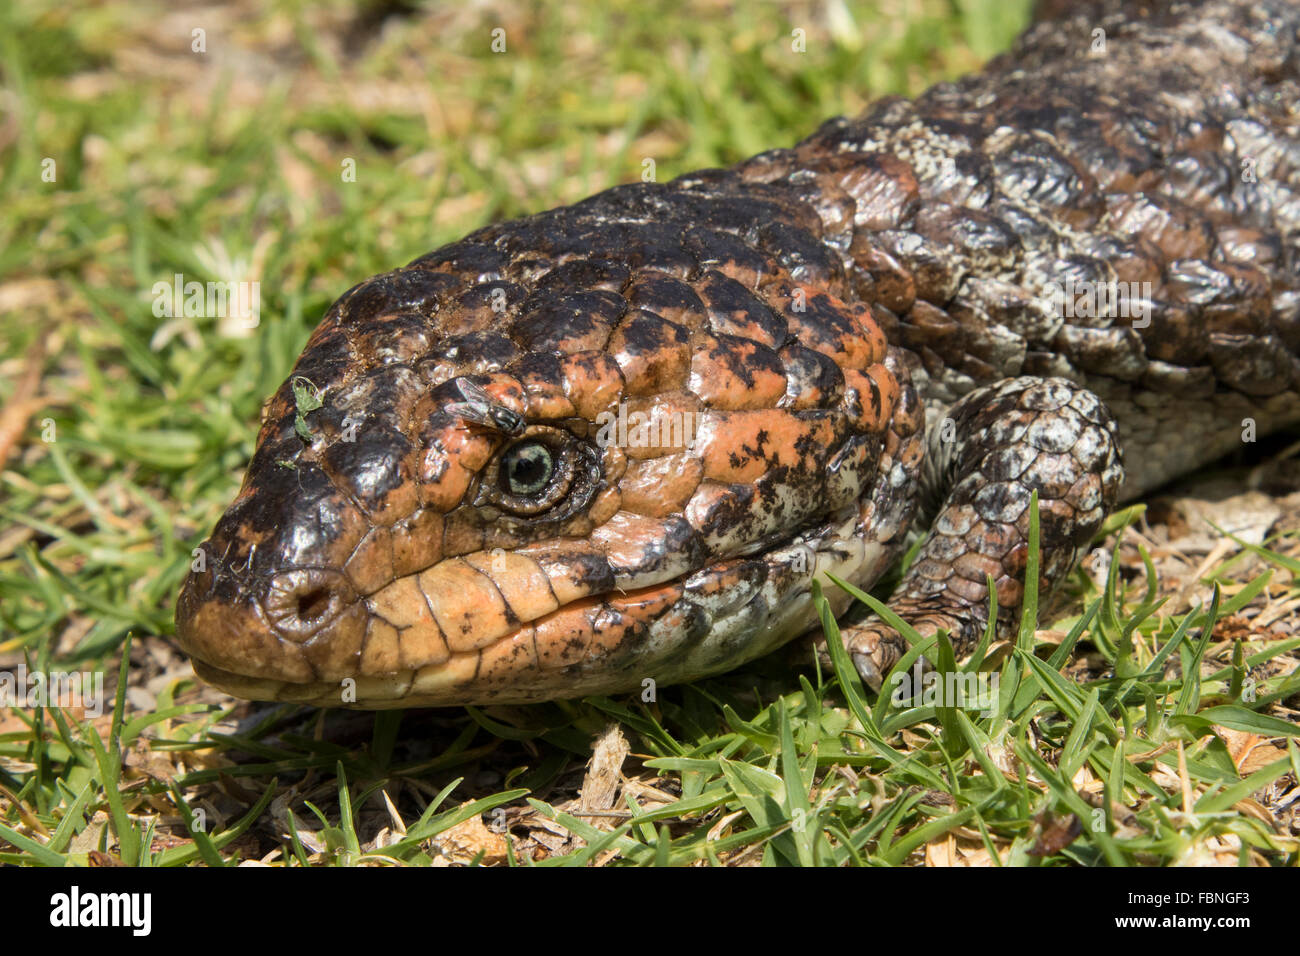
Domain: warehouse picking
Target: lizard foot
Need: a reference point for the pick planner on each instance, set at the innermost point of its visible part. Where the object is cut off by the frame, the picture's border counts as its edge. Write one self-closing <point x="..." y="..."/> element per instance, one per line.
<point x="998" y="446"/>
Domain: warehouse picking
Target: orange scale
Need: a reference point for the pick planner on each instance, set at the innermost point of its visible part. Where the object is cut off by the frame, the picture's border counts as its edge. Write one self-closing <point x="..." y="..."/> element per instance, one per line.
<point x="466" y="604"/>
<point x="847" y="350"/>
<point x="593" y="382"/>
<point x="658" y="487"/>
<point x="872" y="334"/>
<point x="443" y="481"/>
<point x="647" y="604"/>
<point x="736" y="377"/>
<point x="417" y="542"/>
<point x="509" y="657"/>
<point x="889" y="394"/>
<point x="546" y="400"/>
<point x="653" y="354"/>
<point x="866" y="414"/>
<point x="370" y="565"/>
<point x="562" y="638"/>
<point x="381" y="651"/>
<point x="335" y="651"/>
<point x="741" y="447"/>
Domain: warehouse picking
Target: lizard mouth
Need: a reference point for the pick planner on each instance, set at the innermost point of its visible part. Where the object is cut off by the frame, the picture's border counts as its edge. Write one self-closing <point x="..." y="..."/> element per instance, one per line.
<point x="478" y="628"/>
<point x="425" y="640"/>
<point x="586" y="647"/>
<point x="506" y="628"/>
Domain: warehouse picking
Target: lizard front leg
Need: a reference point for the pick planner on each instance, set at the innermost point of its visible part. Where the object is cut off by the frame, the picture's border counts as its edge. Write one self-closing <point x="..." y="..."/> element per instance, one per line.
<point x="996" y="447"/>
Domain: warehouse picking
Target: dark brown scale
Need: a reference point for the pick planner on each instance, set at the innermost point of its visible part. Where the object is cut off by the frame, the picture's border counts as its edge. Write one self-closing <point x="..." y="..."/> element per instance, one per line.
<point x="666" y="296"/>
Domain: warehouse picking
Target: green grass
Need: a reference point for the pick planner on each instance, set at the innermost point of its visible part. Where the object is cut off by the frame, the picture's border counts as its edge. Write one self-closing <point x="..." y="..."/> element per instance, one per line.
<point x="228" y="164"/>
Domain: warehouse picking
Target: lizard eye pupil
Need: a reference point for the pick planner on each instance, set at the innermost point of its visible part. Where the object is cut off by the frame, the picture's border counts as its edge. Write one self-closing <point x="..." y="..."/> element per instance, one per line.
<point x="527" y="468"/>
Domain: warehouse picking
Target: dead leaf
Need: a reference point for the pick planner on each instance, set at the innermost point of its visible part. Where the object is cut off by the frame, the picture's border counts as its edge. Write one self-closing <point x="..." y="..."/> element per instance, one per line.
<point x="601" y="784"/>
<point x="1055" y="833"/>
<point x="467" y="839"/>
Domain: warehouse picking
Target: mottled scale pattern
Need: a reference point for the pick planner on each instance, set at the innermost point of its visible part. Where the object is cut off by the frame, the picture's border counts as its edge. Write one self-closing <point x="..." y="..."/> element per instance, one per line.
<point x="618" y="440"/>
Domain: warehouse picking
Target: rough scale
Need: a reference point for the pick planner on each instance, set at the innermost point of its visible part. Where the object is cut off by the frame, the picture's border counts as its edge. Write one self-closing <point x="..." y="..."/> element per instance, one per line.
<point x="619" y="439"/>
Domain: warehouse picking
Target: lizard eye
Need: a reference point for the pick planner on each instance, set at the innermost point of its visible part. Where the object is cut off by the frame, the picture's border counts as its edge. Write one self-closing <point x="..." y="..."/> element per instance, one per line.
<point x="545" y="472"/>
<point x="526" y="468"/>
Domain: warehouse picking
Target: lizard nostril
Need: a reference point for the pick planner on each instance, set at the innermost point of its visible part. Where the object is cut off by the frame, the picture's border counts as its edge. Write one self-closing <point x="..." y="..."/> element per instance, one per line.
<point x="313" y="604"/>
<point x="300" y="603"/>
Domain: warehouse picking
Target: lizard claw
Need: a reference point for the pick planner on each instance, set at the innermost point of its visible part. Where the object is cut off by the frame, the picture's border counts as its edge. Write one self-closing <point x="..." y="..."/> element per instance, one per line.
<point x="868" y="671"/>
<point x="875" y="648"/>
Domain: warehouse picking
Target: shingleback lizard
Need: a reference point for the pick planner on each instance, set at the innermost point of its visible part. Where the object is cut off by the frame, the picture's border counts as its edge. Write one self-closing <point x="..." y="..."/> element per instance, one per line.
<point x="618" y="440"/>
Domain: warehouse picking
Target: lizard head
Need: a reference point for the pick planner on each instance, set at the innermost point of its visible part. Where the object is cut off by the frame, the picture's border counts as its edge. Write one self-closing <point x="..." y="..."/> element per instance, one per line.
<point x="503" y="474"/>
